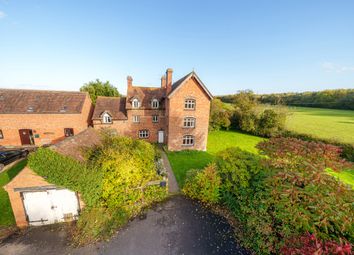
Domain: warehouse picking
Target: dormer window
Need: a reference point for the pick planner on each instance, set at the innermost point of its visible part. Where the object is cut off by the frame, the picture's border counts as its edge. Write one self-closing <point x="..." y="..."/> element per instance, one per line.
<point x="107" y="118"/>
<point x="30" y="109"/>
<point x="155" y="104"/>
<point x="136" y="103"/>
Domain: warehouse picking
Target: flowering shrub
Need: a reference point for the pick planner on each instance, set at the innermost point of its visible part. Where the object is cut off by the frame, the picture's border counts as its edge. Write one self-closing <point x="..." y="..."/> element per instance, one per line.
<point x="310" y="244"/>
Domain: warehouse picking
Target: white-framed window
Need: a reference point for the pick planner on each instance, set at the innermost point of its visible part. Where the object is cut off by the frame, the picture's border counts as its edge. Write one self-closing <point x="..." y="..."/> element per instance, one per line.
<point x="1" y="134"/>
<point x="106" y="118"/>
<point x="189" y="104"/>
<point x="136" y="118"/>
<point x="136" y="103"/>
<point x="189" y="122"/>
<point x="155" y="118"/>
<point x="155" y="104"/>
<point x="188" y="140"/>
<point x="143" y="134"/>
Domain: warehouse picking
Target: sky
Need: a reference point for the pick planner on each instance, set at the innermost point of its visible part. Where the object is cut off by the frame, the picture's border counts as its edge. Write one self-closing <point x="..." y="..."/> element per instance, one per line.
<point x="266" y="45"/>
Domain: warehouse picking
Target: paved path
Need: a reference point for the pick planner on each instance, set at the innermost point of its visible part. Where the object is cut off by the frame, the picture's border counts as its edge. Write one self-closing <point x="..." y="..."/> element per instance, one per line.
<point x="177" y="226"/>
<point x="172" y="182"/>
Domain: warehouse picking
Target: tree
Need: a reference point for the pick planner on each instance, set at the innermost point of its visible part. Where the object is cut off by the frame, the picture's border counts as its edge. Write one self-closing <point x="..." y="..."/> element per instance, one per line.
<point x="98" y="88"/>
<point x="219" y="116"/>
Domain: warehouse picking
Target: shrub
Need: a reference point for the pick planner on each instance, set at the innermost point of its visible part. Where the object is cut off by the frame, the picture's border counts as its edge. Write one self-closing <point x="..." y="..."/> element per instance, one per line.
<point x="68" y="172"/>
<point x="113" y="182"/>
<point x="310" y="244"/>
<point x="271" y="123"/>
<point x="203" y="185"/>
<point x="219" y="116"/>
<point x="236" y="168"/>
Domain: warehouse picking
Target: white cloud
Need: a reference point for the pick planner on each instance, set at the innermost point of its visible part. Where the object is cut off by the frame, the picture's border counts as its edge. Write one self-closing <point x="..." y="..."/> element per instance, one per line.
<point x="2" y="14"/>
<point x="331" y="67"/>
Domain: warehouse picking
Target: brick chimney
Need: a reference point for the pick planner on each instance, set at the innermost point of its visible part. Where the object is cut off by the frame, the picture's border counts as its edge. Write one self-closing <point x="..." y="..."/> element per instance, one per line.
<point x="163" y="81"/>
<point x="168" y="80"/>
<point x="129" y="81"/>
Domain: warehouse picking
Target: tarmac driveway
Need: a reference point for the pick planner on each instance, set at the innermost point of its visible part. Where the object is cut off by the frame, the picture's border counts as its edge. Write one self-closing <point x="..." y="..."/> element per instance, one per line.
<point x="178" y="226"/>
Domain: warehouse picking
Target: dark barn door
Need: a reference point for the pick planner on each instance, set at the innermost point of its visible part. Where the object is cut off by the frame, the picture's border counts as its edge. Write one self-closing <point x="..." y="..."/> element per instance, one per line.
<point x="26" y="136"/>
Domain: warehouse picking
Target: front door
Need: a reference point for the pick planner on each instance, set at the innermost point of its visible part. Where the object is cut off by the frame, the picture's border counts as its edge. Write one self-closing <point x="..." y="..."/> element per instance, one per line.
<point x="160" y="136"/>
<point x="26" y="136"/>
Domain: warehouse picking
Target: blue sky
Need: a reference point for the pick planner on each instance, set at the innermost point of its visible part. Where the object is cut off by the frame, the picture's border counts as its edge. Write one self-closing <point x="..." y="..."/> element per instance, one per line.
<point x="267" y="46"/>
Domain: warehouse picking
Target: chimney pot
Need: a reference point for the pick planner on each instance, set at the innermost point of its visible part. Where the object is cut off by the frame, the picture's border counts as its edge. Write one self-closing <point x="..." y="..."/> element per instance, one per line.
<point x="163" y="81"/>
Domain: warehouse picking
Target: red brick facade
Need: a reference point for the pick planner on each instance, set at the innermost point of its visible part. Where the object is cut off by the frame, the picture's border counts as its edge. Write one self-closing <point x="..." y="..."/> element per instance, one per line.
<point x="171" y="112"/>
<point x="47" y="128"/>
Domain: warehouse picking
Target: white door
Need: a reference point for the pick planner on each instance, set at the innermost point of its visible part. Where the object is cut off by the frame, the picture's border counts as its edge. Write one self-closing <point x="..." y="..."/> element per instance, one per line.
<point x="51" y="206"/>
<point x="160" y="136"/>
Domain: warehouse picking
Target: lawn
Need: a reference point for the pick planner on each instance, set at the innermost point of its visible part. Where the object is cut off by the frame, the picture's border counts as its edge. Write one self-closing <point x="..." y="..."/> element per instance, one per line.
<point x="6" y="216"/>
<point x="183" y="161"/>
<point x="322" y="123"/>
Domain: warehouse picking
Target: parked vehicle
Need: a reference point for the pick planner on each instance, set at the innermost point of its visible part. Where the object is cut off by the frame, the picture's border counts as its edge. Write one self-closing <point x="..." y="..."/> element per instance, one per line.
<point x="7" y="157"/>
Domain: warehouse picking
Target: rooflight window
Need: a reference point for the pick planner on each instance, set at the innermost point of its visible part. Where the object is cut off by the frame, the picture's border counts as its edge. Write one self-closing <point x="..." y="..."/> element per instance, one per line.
<point x="136" y="103"/>
<point x="63" y="109"/>
<point x="30" y="109"/>
<point x="106" y="118"/>
<point x="155" y="104"/>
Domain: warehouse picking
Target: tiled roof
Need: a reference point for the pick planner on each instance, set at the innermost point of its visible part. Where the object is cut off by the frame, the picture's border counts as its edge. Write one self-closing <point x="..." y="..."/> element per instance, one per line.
<point x="76" y="145"/>
<point x="115" y="106"/>
<point x="17" y="101"/>
<point x="145" y="96"/>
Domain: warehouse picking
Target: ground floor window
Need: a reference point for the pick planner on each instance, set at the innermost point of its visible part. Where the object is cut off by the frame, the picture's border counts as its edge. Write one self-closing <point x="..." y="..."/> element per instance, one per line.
<point x="143" y="133"/>
<point x="68" y="132"/>
<point x="188" y="140"/>
<point x="1" y="134"/>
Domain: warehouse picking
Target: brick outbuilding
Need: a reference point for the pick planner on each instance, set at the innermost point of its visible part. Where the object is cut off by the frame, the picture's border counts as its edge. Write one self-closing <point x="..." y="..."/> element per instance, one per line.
<point x="36" y="117"/>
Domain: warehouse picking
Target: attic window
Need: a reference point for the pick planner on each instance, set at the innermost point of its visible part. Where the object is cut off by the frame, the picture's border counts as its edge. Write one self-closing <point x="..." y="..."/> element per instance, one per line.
<point x="106" y="118"/>
<point x="30" y="109"/>
<point x="155" y="103"/>
<point x="136" y="103"/>
<point x="64" y="109"/>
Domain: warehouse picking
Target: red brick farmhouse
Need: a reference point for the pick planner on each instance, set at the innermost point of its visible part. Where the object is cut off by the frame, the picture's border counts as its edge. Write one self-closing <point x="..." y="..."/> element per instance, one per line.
<point x="175" y="114"/>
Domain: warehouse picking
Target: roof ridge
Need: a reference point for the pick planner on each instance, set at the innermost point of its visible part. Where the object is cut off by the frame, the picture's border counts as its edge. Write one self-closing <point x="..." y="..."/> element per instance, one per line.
<point x="44" y="90"/>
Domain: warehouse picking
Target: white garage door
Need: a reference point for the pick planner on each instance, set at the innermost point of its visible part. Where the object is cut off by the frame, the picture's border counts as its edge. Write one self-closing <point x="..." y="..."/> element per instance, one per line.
<point x="50" y="206"/>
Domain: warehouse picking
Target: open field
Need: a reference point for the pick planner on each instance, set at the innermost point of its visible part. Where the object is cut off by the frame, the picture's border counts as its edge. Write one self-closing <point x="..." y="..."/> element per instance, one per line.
<point x="6" y="216"/>
<point x="322" y="123"/>
<point x="183" y="161"/>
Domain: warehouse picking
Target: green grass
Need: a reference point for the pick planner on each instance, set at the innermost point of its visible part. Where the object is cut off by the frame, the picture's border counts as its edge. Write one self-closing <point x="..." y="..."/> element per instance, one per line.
<point x="183" y="161"/>
<point x="322" y="123"/>
<point x="346" y="176"/>
<point x="6" y="215"/>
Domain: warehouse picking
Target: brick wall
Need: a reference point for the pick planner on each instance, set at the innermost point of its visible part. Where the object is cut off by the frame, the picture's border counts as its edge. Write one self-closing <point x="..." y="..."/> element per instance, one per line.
<point x="177" y="113"/>
<point x="49" y="127"/>
<point x="129" y="128"/>
<point x="25" y="179"/>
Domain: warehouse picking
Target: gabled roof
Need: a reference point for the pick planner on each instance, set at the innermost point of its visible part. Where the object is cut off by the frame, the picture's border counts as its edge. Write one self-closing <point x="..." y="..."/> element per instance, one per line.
<point x="19" y="101"/>
<point x="115" y="106"/>
<point x="145" y="96"/>
<point x="178" y="84"/>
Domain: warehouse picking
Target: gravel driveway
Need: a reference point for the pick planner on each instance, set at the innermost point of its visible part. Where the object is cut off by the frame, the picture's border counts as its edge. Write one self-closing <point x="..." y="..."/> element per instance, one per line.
<point x="177" y="226"/>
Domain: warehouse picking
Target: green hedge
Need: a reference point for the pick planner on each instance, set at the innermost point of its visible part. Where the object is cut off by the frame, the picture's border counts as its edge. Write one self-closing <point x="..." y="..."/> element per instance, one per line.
<point x="113" y="182"/>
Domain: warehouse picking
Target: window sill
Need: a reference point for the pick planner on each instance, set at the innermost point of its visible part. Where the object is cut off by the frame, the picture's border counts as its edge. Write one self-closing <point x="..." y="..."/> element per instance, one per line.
<point x="188" y="127"/>
<point x="187" y="145"/>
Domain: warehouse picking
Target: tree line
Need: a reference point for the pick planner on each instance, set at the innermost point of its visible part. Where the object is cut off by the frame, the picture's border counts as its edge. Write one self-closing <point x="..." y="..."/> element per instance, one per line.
<point x="333" y="99"/>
